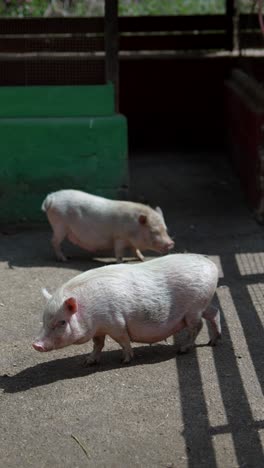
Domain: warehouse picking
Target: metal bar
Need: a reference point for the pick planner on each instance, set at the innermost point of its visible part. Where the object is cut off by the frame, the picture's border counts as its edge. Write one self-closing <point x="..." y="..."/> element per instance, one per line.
<point x="232" y="24"/>
<point x="111" y="46"/>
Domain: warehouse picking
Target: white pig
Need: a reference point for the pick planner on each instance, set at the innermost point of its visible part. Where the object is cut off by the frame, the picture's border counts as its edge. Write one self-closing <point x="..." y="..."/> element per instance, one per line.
<point x="97" y="224"/>
<point x="143" y="303"/>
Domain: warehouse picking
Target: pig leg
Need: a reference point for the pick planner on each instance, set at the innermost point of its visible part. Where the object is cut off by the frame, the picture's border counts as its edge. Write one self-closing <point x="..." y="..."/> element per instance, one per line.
<point x="194" y="329"/>
<point x="59" y="233"/>
<point x="95" y="355"/>
<point x="124" y="342"/>
<point x="139" y="255"/>
<point x="119" y="246"/>
<point x="212" y="314"/>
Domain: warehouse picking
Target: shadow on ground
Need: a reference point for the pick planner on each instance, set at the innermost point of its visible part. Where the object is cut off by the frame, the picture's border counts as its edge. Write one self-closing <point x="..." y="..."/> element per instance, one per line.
<point x="222" y="409"/>
<point x="73" y="368"/>
<point x="233" y="366"/>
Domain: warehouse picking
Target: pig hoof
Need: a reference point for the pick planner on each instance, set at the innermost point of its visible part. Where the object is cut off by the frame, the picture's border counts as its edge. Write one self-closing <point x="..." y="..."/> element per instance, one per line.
<point x="90" y="361"/>
<point x="62" y="259"/>
<point x="126" y="361"/>
<point x="184" y="349"/>
<point x="127" y="358"/>
<point x="213" y="341"/>
<point x="140" y="256"/>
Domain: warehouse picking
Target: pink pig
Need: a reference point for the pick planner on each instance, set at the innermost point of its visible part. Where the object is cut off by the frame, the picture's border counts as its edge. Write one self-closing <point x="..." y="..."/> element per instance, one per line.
<point x="97" y="224"/>
<point x="144" y="303"/>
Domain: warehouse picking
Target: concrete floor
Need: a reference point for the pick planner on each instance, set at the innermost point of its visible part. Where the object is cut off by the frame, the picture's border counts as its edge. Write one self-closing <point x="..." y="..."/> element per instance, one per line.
<point x="203" y="409"/>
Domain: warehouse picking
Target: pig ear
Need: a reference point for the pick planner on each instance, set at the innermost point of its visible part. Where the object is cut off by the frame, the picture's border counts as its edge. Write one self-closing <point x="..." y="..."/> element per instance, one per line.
<point x="142" y="219"/>
<point x="71" y="305"/>
<point x="46" y="293"/>
<point x="159" y="210"/>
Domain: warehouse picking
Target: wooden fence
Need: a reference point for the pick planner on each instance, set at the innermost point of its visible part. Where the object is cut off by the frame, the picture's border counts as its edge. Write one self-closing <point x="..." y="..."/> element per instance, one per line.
<point x="84" y="50"/>
<point x="145" y="33"/>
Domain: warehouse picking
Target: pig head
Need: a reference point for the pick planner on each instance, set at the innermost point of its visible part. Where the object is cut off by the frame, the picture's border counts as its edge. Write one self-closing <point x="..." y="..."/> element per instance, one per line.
<point x="62" y="324"/>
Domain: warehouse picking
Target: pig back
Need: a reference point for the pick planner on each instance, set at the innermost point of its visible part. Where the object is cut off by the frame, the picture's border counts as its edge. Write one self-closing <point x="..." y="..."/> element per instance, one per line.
<point x="191" y="279"/>
<point x="124" y="290"/>
<point x="156" y="291"/>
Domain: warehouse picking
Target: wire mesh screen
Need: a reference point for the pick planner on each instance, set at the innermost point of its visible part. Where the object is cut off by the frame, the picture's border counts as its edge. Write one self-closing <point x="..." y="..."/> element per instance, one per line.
<point x="52" y="50"/>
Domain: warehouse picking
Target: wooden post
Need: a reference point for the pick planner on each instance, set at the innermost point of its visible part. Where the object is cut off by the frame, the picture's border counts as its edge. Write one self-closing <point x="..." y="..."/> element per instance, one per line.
<point x="111" y="46"/>
<point x="232" y="24"/>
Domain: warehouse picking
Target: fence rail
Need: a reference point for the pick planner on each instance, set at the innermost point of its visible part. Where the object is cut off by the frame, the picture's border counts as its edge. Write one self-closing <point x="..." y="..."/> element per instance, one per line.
<point x="73" y="50"/>
<point x="135" y="33"/>
<point x="51" y="25"/>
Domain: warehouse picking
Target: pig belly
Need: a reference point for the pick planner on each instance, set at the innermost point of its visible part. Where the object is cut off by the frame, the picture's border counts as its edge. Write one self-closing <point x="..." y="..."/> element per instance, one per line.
<point x="92" y="244"/>
<point x="149" y="333"/>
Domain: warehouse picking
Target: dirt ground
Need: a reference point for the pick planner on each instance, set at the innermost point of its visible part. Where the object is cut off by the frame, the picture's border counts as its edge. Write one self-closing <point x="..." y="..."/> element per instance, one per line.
<point x="203" y="409"/>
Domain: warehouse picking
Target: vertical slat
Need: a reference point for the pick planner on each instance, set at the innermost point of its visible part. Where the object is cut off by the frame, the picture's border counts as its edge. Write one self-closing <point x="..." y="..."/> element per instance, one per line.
<point x="229" y="23"/>
<point x="232" y="26"/>
<point x="111" y="46"/>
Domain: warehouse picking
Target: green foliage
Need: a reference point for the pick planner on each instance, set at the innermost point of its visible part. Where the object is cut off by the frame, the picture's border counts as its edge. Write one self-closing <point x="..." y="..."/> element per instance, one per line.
<point x="126" y="7"/>
<point x="170" y="7"/>
<point x="22" y="8"/>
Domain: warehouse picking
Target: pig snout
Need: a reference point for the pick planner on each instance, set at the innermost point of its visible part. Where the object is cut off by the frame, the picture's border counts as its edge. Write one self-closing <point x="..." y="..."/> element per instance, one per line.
<point x="165" y="247"/>
<point x="39" y="347"/>
<point x="169" y="246"/>
<point x="43" y="345"/>
<point x="160" y="240"/>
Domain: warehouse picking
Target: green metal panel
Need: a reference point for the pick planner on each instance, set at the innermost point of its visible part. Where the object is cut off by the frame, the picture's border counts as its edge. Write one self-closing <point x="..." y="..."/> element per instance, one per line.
<point x="43" y="155"/>
<point x="56" y="101"/>
<point x="54" y="137"/>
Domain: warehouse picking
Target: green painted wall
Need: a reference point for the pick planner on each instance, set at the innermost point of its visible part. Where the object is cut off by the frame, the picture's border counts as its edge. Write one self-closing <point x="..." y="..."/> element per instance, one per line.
<point x="43" y="154"/>
<point x="56" y="101"/>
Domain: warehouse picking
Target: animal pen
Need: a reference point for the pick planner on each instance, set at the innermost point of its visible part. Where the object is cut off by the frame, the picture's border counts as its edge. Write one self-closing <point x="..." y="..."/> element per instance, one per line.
<point x="74" y="92"/>
<point x="70" y="86"/>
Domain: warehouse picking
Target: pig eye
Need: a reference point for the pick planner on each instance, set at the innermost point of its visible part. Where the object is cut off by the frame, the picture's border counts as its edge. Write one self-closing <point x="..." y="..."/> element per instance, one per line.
<point x="58" y="324"/>
<point x="61" y="323"/>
